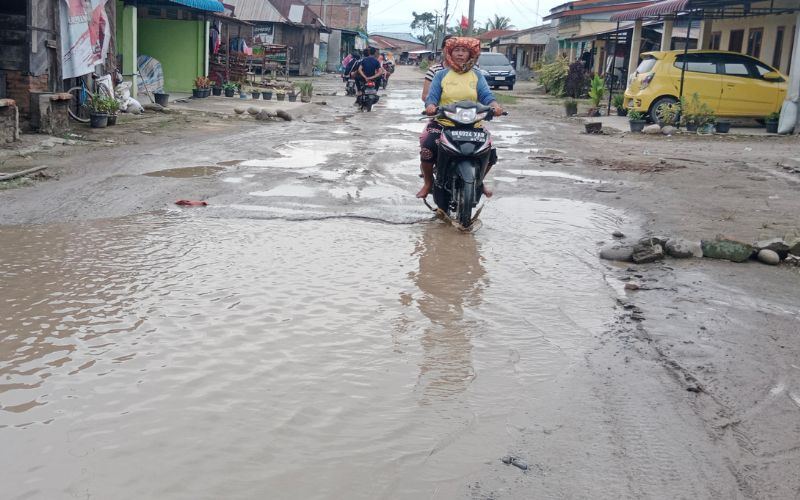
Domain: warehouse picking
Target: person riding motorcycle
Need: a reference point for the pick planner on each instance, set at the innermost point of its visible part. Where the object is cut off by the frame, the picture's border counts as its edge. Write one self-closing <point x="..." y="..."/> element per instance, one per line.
<point x="368" y="70"/>
<point x="458" y="81"/>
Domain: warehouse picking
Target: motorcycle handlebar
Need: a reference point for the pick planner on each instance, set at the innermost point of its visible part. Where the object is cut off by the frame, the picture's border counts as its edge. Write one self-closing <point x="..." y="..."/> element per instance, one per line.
<point x="438" y="109"/>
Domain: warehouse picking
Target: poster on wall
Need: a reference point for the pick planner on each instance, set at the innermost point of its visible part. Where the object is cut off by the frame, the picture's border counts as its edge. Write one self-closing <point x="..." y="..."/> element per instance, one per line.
<point x="84" y="35"/>
<point x="264" y="34"/>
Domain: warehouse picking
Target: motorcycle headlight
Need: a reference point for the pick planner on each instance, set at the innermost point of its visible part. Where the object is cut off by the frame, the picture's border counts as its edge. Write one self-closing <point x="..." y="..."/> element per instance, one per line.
<point x="463" y="115"/>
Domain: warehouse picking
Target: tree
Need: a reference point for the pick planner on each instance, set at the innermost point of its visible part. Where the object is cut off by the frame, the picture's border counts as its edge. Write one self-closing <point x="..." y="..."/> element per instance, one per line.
<point x="425" y="22"/>
<point x="499" y="23"/>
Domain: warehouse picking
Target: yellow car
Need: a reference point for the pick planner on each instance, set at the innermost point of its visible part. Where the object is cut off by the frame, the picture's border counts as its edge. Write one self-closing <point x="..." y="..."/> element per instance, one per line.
<point x="730" y="83"/>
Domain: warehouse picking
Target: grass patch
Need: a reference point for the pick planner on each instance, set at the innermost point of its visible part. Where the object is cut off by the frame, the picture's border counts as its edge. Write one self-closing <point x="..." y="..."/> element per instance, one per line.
<point x="16" y="183"/>
<point x="505" y="99"/>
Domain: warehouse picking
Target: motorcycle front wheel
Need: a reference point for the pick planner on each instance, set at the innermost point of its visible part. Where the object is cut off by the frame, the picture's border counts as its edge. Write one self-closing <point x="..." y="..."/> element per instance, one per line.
<point x="465" y="199"/>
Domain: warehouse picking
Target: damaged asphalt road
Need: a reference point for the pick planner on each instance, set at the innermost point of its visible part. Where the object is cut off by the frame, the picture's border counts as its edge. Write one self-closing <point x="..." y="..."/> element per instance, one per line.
<point x="314" y="332"/>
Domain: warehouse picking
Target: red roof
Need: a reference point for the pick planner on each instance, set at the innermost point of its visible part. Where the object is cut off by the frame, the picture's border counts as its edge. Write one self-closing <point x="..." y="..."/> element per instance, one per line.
<point x="654" y="10"/>
<point x="599" y="9"/>
<point x="488" y="36"/>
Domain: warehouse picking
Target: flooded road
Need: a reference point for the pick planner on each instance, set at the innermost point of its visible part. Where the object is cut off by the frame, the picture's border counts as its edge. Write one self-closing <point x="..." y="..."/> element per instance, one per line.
<point x="176" y="356"/>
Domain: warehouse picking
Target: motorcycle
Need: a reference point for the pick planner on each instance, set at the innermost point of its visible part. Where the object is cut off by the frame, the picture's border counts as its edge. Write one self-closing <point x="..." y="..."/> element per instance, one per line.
<point x="350" y="86"/>
<point x="369" y="97"/>
<point x="388" y="69"/>
<point x="462" y="160"/>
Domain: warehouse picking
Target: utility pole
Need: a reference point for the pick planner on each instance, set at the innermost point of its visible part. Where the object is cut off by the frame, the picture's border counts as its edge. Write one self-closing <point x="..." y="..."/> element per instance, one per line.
<point x="446" y="6"/>
<point x="435" y="32"/>
<point x="471" y="16"/>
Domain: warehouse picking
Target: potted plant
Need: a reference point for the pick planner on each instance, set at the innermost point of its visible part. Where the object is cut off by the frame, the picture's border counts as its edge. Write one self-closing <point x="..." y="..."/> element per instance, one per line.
<point x="636" y="120"/>
<point x="571" y="107"/>
<point x="255" y="93"/>
<point x="280" y="94"/>
<point x="771" y="121"/>
<point x="695" y="113"/>
<point x="98" y="110"/>
<point x="202" y="88"/>
<point x="722" y="126"/>
<point x="229" y="88"/>
<point x="292" y="94"/>
<point x="306" y="89"/>
<point x="216" y="89"/>
<point x="266" y="94"/>
<point x="597" y="90"/>
<point x="112" y="106"/>
<point x="618" y="101"/>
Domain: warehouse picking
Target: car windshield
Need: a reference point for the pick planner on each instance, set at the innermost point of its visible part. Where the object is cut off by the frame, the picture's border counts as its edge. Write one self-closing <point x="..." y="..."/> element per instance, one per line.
<point x="493" y="60"/>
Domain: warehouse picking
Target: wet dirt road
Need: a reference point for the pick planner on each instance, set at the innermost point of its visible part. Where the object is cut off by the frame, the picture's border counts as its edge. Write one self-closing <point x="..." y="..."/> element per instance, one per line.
<point x="314" y="333"/>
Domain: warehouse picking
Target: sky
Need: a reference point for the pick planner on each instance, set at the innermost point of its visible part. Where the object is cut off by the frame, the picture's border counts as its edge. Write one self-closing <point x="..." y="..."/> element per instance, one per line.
<point x="395" y="15"/>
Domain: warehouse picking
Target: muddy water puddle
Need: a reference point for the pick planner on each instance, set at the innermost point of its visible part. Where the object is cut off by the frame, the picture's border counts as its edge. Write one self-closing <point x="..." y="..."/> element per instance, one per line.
<point x="302" y="154"/>
<point x="186" y="172"/>
<point x="177" y="356"/>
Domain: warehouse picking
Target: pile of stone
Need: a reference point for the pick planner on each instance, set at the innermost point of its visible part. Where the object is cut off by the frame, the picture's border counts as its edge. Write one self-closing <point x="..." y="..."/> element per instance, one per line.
<point x="652" y="249"/>
<point x="263" y="114"/>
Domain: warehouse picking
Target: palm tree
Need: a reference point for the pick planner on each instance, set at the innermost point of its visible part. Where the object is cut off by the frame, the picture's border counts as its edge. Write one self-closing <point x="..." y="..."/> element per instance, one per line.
<point x="499" y="23"/>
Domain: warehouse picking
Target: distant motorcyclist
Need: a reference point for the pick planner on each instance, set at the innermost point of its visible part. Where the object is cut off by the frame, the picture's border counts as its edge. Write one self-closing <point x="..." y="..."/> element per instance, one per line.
<point x="369" y="69"/>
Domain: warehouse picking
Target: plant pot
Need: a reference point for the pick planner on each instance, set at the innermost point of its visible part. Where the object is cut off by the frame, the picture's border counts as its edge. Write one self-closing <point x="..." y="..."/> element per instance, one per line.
<point x="723" y="127"/>
<point x="691" y="127"/>
<point x="229" y="92"/>
<point x="112" y="120"/>
<point x="98" y="120"/>
<point x="594" y="112"/>
<point x="205" y="93"/>
<point x="594" y="127"/>
<point x="622" y="111"/>
<point x="571" y="108"/>
<point x="216" y="90"/>
<point x="707" y="129"/>
<point x="267" y="96"/>
<point x="637" y="125"/>
<point x="305" y="98"/>
<point x="772" y="126"/>
<point x="280" y="97"/>
<point x="255" y="95"/>
<point x="292" y="97"/>
<point x="242" y="95"/>
<point x="163" y="99"/>
<point x="197" y="93"/>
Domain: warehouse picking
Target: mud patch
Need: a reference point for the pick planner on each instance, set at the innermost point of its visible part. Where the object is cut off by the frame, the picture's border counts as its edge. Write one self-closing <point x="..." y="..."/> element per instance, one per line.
<point x="639" y="165"/>
<point x="186" y="172"/>
<point x="229" y="163"/>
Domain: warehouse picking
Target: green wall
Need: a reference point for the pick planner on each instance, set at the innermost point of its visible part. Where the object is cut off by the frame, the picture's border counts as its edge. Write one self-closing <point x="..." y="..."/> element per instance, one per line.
<point x="180" y="46"/>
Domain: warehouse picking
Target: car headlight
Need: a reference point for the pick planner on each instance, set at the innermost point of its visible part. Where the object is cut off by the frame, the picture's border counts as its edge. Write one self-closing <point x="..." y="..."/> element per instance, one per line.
<point x="465" y="115"/>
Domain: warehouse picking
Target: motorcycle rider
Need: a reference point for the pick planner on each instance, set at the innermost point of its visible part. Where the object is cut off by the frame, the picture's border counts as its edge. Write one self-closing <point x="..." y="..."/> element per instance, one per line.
<point x="347" y="73"/>
<point x="433" y="69"/>
<point x="458" y="81"/>
<point x="369" y="69"/>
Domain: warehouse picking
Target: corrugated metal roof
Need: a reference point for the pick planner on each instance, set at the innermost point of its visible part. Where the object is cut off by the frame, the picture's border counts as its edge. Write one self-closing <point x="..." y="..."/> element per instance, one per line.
<point x="488" y="36"/>
<point x="207" y="5"/>
<point x="286" y="7"/>
<point x="597" y="10"/>
<point x="255" y="10"/>
<point x="406" y="37"/>
<point x="655" y="10"/>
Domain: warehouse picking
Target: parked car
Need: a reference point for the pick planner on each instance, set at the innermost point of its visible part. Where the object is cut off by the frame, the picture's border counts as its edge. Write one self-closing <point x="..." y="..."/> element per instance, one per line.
<point x="497" y="70"/>
<point x="732" y="84"/>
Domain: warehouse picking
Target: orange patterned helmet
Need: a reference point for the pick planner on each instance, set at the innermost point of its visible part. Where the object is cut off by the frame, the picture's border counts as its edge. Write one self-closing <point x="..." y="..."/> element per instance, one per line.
<point x="473" y="45"/>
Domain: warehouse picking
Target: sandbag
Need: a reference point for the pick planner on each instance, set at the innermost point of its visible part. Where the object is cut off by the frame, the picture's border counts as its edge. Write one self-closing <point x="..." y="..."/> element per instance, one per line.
<point x="788" y="118"/>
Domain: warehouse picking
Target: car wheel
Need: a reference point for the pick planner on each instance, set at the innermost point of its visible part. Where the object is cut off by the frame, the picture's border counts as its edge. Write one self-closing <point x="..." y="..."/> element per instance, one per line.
<point x="510" y="87"/>
<point x="664" y="111"/>
<point x="495" y="87"/>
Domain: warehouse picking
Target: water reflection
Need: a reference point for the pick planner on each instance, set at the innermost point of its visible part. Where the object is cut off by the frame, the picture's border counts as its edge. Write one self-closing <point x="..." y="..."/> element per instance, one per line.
<point x="451" y="279"/>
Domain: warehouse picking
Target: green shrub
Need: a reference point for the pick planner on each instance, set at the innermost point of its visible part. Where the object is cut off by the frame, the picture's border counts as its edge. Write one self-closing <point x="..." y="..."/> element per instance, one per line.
<point x="553" y="77"/>
<point x="577" y="81"/>
<point x="424" y="65"/>
<point x="635" y="115"/>
<point x="597" y="90"/>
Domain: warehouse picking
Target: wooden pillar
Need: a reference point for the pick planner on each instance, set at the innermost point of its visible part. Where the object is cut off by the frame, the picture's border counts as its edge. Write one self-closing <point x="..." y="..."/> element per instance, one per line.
<point x="666" y="36"/>
<point x="636" y="45"/>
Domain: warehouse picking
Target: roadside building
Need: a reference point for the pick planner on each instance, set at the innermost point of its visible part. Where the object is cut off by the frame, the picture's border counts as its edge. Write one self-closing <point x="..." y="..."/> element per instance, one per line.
<point x="487" y="37"/>
<point x="529" y="46"/>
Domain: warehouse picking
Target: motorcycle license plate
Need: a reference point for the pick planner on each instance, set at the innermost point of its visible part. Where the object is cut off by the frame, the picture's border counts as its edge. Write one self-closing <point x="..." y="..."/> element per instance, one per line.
<point x="468" y="135"/>
<point x="499" y="78"/>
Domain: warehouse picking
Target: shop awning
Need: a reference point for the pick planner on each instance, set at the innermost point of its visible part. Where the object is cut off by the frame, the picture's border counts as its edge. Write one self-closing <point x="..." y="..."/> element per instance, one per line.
<point x="656" y="10"/>
<point x="207" y="5"/>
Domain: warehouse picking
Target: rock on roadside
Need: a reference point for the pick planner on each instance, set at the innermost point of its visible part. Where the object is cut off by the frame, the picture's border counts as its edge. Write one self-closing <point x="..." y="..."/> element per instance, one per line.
<point x="723" y="249"/>
<point x="622" y="253"/>
<point x="645" y="253"/>
<point x="653" y="129"/>
<point x="777" y="245"/>
<point x="684" y="249"/>
<point x="769" y="257"/>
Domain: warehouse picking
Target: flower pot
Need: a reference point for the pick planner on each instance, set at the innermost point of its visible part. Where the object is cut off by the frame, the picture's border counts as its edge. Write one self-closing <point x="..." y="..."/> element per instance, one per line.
<point x="216" y="90"/>
<point x="691" y="127"/>
<point x="622" y="111"/>
<point x="163" y="99"/>
<point x="266" y="95"/>
<point x="255" y="95"/>
<point x="571" y="108"/>
<point x="112" y="120"/>
<point x="280" y="97"/>
<point x="305" y="98"/>
<point x="637" y="125"/>
<point x="723" y="127"/>
<point x="292" y="97"/>
<point x="772" y="126"/>
<point x="594" y="112"/>
<point x="229" y="92"/>
<point x="98" y="120"/>
<point x="205" y="93"/>
<point x="594" y="127"/>
<point x="197" y="93"/>
<point x="242" y="95"/>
